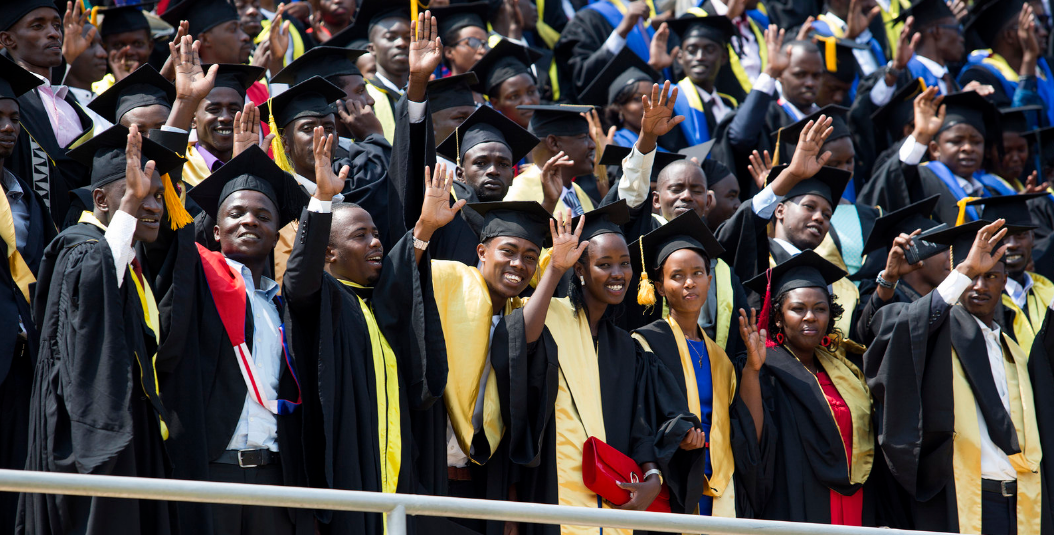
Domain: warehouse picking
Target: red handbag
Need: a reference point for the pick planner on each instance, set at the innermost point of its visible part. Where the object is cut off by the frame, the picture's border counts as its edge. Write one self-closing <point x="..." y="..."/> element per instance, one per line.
<point x="603" y="465"/>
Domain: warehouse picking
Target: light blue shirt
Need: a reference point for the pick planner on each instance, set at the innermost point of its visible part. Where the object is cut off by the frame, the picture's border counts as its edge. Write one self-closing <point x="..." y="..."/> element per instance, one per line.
<point x="19" y="208"/>
<point x="257" y="427"/>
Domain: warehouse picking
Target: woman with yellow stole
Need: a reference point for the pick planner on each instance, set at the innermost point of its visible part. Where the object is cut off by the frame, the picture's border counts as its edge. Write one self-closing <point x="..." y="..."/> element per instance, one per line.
<point x="676" y="258"/>
<point x="816" y="401"/>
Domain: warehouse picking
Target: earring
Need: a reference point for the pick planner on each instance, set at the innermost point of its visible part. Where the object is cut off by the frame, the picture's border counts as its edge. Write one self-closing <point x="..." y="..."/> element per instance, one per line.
<point x="582" y="280"/>
<point x="779" y="338"/>
<point x="826" y="342"/>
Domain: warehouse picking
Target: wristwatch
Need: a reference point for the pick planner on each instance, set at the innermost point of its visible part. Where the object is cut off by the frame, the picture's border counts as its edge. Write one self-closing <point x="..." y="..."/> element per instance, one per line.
<point x="418" y="244"/>
<point x="653" y="471"/>
<point x="883" y="282"/>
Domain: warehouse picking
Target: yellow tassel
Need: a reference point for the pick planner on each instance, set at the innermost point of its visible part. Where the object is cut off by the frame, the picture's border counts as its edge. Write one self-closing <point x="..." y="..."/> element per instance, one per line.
<point x="277" y="147"/>
<point x="93" y="18"/>
<point x="178" y="217"/>
<point x="830" y="53"/>
<point x="962" y="209"/>
<point x="646" y="292"/>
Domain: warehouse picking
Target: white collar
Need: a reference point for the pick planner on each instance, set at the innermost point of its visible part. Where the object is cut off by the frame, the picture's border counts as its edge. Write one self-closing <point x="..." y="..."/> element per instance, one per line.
<point x="310" y="187"/>
<point x="58" y="90"/>
<point x="720" y="9"/>
<point x="989" y="332"/>
<point x="935" y="68"/>
<point x="801" y="115"/>
<point x="708" y="96"/>
<point x="787" y="246"/>
<point x="836" y="19"/>
<point x="266" y="284"/>
<point x="84" y="96"/>
<point x="1016" y="291"/>
<point x="388" y="83"/>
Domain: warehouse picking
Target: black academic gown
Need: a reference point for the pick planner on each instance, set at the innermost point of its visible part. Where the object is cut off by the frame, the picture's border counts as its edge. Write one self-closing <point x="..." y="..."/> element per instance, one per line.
<point x="1041" y="373"/>
<point x="332" y="346"/>
<point x="748" y="128"/>
<point x="581" y="51"/>
<point x="753" y="458"/>
<point x="94" y="407"/>
<point x="202" y="386"/>
<point x="368" y="162"/>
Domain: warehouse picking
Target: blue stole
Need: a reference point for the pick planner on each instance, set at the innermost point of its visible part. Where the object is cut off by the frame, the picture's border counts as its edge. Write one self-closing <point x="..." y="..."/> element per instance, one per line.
<point x="789" y="109"/>
<point x="850" y="192"/>
<point x="639" y="37"/>
<point x="918" y="70"/>
<point x="1044" y="80"/>
<point x="694" y="126"/>
<point x="759" y="18"/>
<point x="876" y="49"/>
<point x="705" y="385"/>
<point x="626" y="138"/>
<point x="952" y="183"/>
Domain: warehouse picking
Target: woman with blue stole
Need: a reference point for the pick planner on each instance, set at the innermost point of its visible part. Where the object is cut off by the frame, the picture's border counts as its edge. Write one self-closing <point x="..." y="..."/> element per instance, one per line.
<point x="676" y="258"/>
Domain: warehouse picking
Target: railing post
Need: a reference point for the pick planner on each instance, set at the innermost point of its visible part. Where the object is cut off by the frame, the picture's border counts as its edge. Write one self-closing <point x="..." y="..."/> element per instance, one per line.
<point x="397" y="521"/>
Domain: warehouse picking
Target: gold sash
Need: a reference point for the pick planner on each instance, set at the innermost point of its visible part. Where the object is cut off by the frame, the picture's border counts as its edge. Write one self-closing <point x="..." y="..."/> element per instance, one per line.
<point x="1038" y="299"/>
<point x="852" y="386"/>
<point x="527" y="186"/>
<point x="725" y="302"/>
<point x="20" y="272"/>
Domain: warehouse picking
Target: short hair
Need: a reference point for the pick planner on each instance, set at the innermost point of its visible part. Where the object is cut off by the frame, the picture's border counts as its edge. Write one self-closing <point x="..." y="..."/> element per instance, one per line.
<point x="808" y="47"/>
<point x="676" y="167"/>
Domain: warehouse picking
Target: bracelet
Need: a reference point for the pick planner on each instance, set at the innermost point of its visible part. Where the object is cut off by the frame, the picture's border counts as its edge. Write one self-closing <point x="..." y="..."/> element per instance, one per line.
<point x="653" y="471"/>
<point x="883" y="282"/>
<point x="418" y="244"/>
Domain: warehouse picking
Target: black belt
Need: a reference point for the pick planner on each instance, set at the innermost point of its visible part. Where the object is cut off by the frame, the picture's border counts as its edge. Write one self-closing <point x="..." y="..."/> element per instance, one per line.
<point x="1005" y="488"/>
<point x="248" y="458"/>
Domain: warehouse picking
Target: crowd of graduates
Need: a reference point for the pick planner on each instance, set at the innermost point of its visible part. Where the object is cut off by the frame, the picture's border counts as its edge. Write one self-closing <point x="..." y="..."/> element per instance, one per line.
<point x="774" y="259"/>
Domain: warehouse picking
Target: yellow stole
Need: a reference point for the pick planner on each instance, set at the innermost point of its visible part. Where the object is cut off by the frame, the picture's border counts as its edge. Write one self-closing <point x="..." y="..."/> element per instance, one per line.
<point x="966" y="456"/>
<point x="546" y="32"/>
<point x="733" y="58"/>
<point x="386" y="376"/>
<point x="150" y="317"/>
<point x="852" y="386"/>
<point x="194" y="170"/>
<point x="1038" y="299"/>
<point x="1004" y="68"/>
<point x="719" y="484"/>
<point x="725" y="303"/>
<point x="527" y="186"/>
<point x="383" y="109"/>
<point x="20" y="272"/>
<point x="893" y="28"/>
<point x="465" y="309"/>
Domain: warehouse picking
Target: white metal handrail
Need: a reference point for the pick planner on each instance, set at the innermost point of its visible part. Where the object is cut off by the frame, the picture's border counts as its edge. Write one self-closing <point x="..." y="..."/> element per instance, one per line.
<point x="399" y="505"/>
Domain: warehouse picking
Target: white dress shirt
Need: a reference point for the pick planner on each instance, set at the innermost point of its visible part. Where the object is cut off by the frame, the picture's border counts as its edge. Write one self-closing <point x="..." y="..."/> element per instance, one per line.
<point x="1019" y="293"/>
<point x="310" y="187"/>
<point x="119" y="237"/>
<point x="388" y="84"/>
<point x="936" y="69"/>
<point x="864" y="57"/>
<point x="717" y="105"/>
<point x="636" y="177"/>
<point x="750" y="50"/>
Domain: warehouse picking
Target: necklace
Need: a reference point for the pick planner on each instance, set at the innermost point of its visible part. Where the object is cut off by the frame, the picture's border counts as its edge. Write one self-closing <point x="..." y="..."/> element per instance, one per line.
<point x="691" y="349"/>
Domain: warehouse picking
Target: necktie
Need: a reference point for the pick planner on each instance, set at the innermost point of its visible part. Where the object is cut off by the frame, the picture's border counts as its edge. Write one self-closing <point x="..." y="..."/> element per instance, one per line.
<point x="708" y="112"/>
<point x="137" y="268"/>
<point x="571" y="201"/>
<point x="949" y="83"/>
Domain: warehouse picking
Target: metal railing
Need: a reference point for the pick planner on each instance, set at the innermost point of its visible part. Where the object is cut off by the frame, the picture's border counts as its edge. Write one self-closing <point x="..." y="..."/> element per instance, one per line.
<point x="397" y="506"/>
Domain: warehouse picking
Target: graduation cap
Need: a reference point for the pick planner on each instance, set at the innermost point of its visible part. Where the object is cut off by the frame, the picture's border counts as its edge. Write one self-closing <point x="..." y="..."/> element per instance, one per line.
<point x="686" y="231"/>
<point x="517" y="219"/>
<point x="787" y="137"/>
<point x="717" y="29"/>
<point x="700" y="152"/>
<point x="626" y="69"/>
<point x="806" y="269"/>
<point x="237" y="77"/>
<point x="971" y="108"/>
<point x="959" y="238"/>
<point x="1044" y="137"/>
<point x="607" y="219"/>
<point x="1012" y="208"/>
<point x="926" y="12"/>
<point x="122" y="19"/>
<point x="144" y="87"/>
<point x="505" y="60"/>
<point x="14" y="80"/>
<point x="828" y="183"/>
<point x="324" y="61"/>
<point x="1020" y="119"/>
<point x="452" y="91"/>
<point x="838" y="57"/>
<point x="906" y="220"/>
<point x="454" y="17"/>
<point x="487" y="125"/>
<point x="558" y="119"/>
<point x="311" y="98"/>
<point x="105" y="154"/>
<point x="12" y="11"/>
<point x="370" y="12"/>
<point x="202" y="15"/>
<point x="252" y="170"/>
<point x="990" y="18"/>
<point x="614" y="154"/>
<point x="900" y="110"/>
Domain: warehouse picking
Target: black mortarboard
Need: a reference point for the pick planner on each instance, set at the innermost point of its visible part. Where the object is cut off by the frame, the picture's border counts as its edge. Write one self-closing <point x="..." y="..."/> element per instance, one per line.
<point x="717" y="29"/>
<point x="457" y="16"/>
<point x="105" y="154"/>
<point x="828" y="183"/>
<point x="144" y="87"/>
<point x="14" y="80"/>
<point x="1020" y="119"/>
<point x="252" y="170"/>
<point x="806" y="269"/>
<point x="483" y="126"/>
<point x="787" y="137"/>
<point x="837" y="54"/>
<point x="311" y="98"/>
<point x="925" y="12"/>
<point x="324" y="61"/>
<point x="558" y="120"/>
<point x="517" y="219"/>
<point x="686" y="231"/>
<point x="716" y="172"/>
<point x="987" y="21"/>
<point x="960" y="238"/>
<point x="614" y="154"/>
<point x="121" y="19"/>
<point x="12" y="11"/>
<point x="624" y="70"/>
<point x="607" y="219"/>
<point x="971" y="108"/>
<point x="1012" y="208"/>
<point x="505" y="60"/>
<point x="202" y="15"/>
<point x="369" y="14"/>
<point x="1044" y="137"/>
<point x="906" y="220"/>
<point x="900" y="110"/>
<point x="700" y="152"/>
<point x="237" y="77"/>
<point x="452" y="91"/>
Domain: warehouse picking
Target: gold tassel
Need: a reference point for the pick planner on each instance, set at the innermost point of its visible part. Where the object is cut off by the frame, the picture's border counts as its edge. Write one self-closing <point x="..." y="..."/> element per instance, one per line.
<point x="178" y="217"/>
<point x="962" y="209"/>
<point x="830" y="52"/>
<point x="277" y="147"/>
<point x="93" y="18"/>
<point x="646" y="292"/>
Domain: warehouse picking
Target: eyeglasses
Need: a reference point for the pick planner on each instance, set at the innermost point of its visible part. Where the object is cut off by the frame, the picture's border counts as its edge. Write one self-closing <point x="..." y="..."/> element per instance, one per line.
<point x="957" y="27"/>
<point x="474" y="42"/>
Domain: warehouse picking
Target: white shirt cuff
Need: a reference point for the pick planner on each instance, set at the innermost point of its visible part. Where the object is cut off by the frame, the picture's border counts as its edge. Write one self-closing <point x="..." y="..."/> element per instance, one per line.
<point x="119" y="237"/>
<point x="416" y="111"/>
<point x="765" y="83"/>
<point x="166" y="128"/>
<point x="881" y="93"/>
<point x="636" y="177"/>
<point x="764" y="203"/>
<point x="953" y="287"/>
<point x="614" y="43"/>
<point x="319" y="207"/>
<point x="911" y="152"/>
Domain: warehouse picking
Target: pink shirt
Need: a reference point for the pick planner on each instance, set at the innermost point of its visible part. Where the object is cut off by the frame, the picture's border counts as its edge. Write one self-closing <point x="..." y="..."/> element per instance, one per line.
<point x="64" y="120"/>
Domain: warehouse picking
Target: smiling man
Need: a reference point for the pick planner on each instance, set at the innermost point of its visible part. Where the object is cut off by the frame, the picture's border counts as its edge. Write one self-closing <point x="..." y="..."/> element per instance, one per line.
<point x="214" y="121"/>
<point x="217" y="25"/>
<point x="704" y="51"/>
<point x="126" y="36"/>
<point x="97" y="404"/>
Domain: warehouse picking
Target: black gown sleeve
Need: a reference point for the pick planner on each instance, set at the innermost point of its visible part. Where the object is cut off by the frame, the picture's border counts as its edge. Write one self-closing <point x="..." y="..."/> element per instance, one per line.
<point x="744" y="237"/>
<point x="581" y="47"/>
<point x="1041" y="375"/>
<point x="368" y="161"/>
<point x="414" y="149"/>
<point x="755" y="458"/>
<point x="892" y="185"/>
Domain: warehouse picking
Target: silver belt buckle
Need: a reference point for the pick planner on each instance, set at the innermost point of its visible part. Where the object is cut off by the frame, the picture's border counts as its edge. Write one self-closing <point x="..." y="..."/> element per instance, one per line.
<point x="1003" y="489"/>
<point x="241" y="461"/>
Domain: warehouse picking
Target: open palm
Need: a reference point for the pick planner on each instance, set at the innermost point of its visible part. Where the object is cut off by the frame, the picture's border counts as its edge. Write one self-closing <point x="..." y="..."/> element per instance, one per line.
<point x="436" y="211"/>
<point x="658" y="110"/>
<point x="808" y="160"/>
<point x="426" y="49"/>
<point x="566" y="246"/>
<point x="753" y="338"/>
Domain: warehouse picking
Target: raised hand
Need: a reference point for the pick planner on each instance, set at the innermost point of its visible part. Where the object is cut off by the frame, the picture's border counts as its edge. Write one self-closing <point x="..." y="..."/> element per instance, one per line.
<point x="426" y="48"/>
<point x="596" y="131"/>
<point x="358" y="118"/>
<point x="960" y="9"/>
<point x="635" y="12"/>
<point x="754" y="338"/>
<point x="74" y="39"/>
<point x="760" y="168"/>
<point x="436" y="211"/>
<point x="278" y="39"/>
<point x="121" y="63"/>
<point x="929" y="115"/>
<point x="858" y="20"/>
<point x="807" y="159"/>
<point x="247" y="130"/>
<point x="553" y="179"/>
<point x="137" y="179"/>
<point x="328" y="184"/>
<point x="658" y="111"/>
<point x="981" y="258"/>
<point x="906" y="44"/>
<point x="1032" y="184"/>
<point x="803" y="31"/>
<point x="168" y="70"/>
<point x="779" y="59"/>
<point x="897" y="262"/>
<point x="693" y="440"/>
<point x="192" y="83"/>
<point x="567" y="247"/>
<point x="982" y="89"/>
<point x="1026" y="35"/>
<point x="658" y="57"/>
